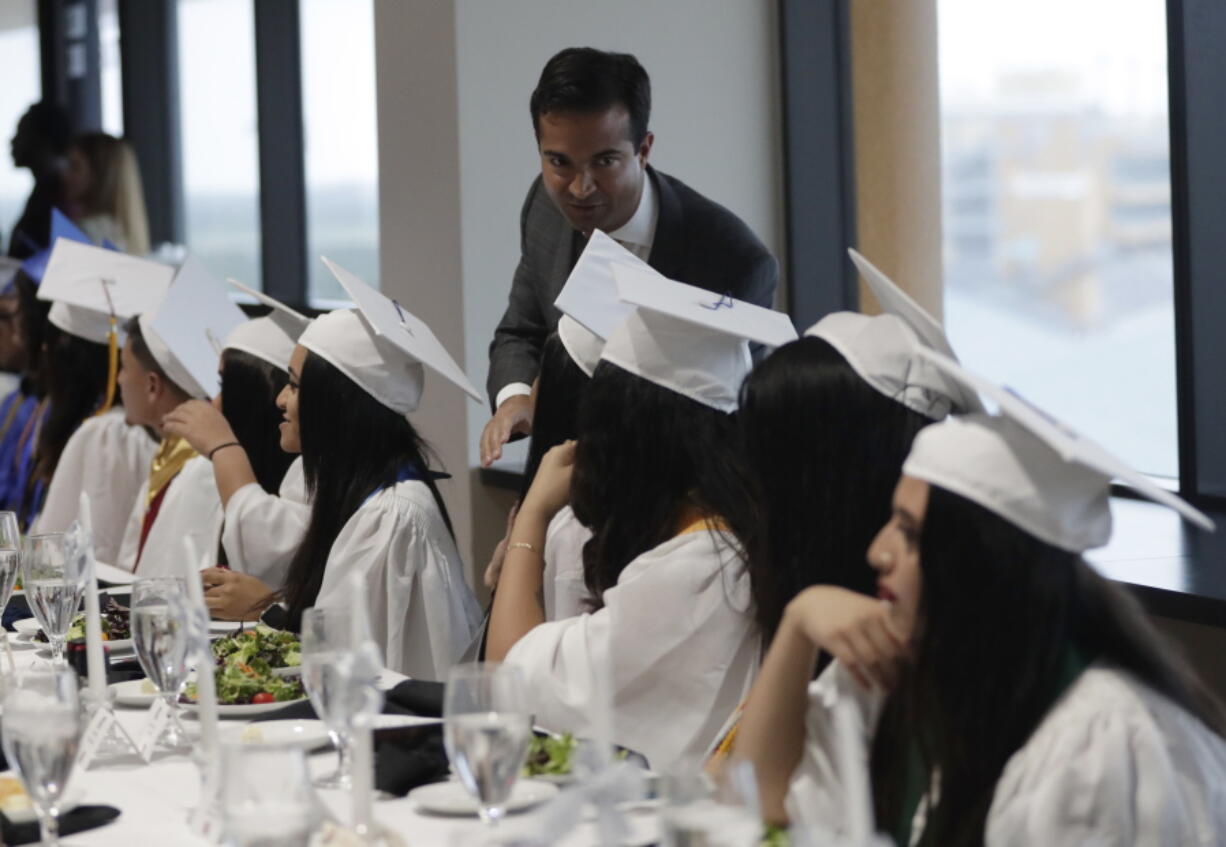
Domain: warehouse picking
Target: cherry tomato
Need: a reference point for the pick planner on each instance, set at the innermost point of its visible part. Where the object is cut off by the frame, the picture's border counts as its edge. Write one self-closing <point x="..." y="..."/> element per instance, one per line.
<point x="263" y="697"/>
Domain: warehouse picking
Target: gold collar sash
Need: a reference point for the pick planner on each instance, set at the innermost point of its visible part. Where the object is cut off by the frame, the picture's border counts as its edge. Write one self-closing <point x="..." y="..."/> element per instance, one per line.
<point x="167" y="462"/>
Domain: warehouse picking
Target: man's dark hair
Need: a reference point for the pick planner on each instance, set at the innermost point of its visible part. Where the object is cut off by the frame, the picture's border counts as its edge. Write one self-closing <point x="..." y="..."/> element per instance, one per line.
<point x="584" y="79"/>
<point x="51" y="124"/>
<point x="140" y="349"/>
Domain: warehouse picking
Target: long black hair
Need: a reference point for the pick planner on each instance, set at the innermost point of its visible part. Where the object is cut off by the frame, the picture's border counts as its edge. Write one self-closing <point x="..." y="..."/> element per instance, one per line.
<point x="75" y="375"/>
<point x="352" y="447"/>
<point x="31" y="325"/>
<point x="823" y="449"/>
<point x="555" y="418"/>
<point x="249" y="389"/>
<point x="999" y="614"/>
<point x="645" y="454"/>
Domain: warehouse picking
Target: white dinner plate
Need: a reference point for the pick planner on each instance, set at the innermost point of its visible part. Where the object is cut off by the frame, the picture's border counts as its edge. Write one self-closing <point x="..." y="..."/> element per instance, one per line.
<point x="401" y="721"/>
<point x="26" y="814"/>
<point x="293" y="733"/>
<point x="451" y="798"/>
<point x="135" y="692"/>
<point x="248" y="710"/>
<point x="26" y="627"/>
<point x="229" y="627"/>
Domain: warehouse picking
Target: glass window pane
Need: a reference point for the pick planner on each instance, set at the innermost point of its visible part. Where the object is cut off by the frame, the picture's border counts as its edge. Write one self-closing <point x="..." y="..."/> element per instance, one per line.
<point x="22" y="86"/>
<point x="342" y="167"/>
<point x="1057" y="220"/>
<point x="109" y="67"/>
<point x="217" y="112"/>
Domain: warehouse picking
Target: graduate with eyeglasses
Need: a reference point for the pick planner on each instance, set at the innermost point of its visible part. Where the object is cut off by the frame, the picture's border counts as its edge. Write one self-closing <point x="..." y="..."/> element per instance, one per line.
<point x="259" y="480"/>
<point x="1002" y="692"/>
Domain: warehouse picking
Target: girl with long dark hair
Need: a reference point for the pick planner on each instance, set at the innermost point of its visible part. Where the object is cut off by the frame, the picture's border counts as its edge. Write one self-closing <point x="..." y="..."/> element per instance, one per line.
<point x="1012" y="695"/>
<point x="670" y="642"/>
<point x="826" y="422"/>
<point x="259" y="482"/>
<point x="375" y="508"/>
<point x="239" y="427"/>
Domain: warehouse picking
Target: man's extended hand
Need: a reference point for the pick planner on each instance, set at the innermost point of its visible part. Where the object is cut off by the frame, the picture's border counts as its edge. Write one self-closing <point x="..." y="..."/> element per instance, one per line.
<point x="514" y="417"/>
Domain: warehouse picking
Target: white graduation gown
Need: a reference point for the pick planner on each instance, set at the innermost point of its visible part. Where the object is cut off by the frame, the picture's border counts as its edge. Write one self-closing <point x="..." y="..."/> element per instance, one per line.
<point x="262" y="531"/>
<point x="562" y="586"/>
<point x="422" y="611"/>
<point x="1112" y="763"/>
<point x="109" y="460"/>
<point x="678" y="639"/>
<point x="186" y="528"/>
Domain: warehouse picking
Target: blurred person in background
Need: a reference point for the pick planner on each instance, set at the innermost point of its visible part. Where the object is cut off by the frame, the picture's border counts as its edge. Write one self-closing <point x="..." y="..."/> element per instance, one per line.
<point x="103" y="192"/>
<point x="39" y="144"/>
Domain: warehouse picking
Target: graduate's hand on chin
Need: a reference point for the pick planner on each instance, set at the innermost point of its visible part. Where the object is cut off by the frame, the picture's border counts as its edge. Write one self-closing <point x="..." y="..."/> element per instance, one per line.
<point x="234" y="596"/>
<point x="550" y="489"/>
<point x="857" y="630"/>
<point x="203" y="426"/>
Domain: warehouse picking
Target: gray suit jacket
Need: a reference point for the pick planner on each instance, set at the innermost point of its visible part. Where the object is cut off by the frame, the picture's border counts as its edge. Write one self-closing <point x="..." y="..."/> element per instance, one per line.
<point x="697" y="241"/>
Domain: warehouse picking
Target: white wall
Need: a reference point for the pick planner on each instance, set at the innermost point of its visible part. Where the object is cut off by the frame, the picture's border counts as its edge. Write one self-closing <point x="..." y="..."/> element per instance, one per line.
<point x="456" y="155"/>
<point x="715" y="114"/>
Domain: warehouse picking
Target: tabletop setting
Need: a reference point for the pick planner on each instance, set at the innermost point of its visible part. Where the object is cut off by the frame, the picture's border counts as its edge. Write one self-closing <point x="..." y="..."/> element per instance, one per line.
<point x="112" y="735"/>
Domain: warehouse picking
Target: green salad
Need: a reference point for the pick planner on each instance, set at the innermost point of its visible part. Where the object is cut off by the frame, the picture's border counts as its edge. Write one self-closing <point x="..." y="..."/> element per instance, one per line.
<point x="277" y="648"/>
<point x="549" y="754"/>
<point x="246" y="662"/>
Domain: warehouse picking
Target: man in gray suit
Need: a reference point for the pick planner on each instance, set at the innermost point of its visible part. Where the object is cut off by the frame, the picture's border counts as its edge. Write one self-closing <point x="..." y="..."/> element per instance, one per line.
<point x="590" y="111"/>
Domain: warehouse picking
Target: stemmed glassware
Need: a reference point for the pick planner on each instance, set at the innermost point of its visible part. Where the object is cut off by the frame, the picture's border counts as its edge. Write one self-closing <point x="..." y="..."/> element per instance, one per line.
<point x="487" y="728"/>
<point x="41" y="732"/>
<point x="10" y="562"/>
<point x="267" y="798"/>
<point x="719" y="809"/>
<point x="160" y="636"/>
<point x="53" y="587"/>
<point x="340" y="671"/>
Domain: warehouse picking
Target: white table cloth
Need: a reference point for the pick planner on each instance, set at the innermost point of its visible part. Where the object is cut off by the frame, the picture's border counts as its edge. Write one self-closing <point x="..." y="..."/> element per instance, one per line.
<point x="155" y="799"/>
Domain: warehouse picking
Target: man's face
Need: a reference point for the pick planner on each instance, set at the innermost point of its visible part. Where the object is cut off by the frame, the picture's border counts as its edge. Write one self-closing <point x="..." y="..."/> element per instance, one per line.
<point x="591" y="168"/>
<point x="133" y="383"/>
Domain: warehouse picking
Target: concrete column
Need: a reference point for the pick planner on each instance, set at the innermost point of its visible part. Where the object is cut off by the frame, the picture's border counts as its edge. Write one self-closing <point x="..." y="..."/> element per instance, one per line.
<point x="896" y="106"/>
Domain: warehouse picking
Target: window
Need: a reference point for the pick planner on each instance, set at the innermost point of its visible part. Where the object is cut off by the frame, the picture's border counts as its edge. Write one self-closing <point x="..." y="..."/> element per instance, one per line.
<point x="218" y="126"/>
<point x="109" y="70"/>
<point x="342" y="165"/>
<point x="22" y="86"/>
<point x="1057" y="219"/>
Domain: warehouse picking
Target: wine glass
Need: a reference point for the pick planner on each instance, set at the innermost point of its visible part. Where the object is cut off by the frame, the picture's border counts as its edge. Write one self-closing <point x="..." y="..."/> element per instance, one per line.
<point x="487" y="728"/>
<point x="721" y="810"/>
<point x="340" y="671"/>
<point x="267" y="798"/>
<point x="53" y="587"/>
<point x="10" y="561"/>
<point x="41" y="733"/>
<point x="160" y="636"/>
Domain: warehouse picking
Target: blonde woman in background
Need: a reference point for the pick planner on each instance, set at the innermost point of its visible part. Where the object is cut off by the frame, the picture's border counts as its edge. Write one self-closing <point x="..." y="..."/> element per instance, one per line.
<point x="102" y="189"/>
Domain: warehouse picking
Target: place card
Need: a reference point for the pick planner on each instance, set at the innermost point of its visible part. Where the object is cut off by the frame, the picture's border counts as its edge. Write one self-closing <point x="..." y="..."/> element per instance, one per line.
<point x="102" y="726"/>
<point x="159" y="716"/>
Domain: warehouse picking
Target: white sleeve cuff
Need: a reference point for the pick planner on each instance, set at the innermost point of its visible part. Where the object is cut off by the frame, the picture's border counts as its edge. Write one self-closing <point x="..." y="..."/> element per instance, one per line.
<point x="513" y="389"/>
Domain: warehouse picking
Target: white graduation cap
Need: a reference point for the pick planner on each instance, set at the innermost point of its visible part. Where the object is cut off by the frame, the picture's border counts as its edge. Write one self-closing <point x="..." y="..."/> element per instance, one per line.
<point x="895" y="301"/>
<point x="690" y="340"/>
<point x="271" y="337"/>
<point x="589" y="302"/>
<point x="186" y="333"/>
<point x="883" y="350"/>
<point x="590" y="293"/>
<point x="88" y="286"/>
<point x="1029" y="468"/>
<point x="381" y="346"/>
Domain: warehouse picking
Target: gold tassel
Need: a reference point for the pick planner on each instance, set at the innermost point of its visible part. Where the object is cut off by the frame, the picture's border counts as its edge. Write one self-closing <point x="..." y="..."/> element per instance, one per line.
<point x="112" y="369"/>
